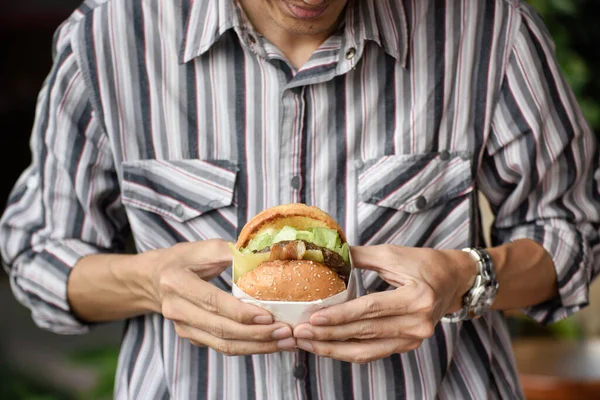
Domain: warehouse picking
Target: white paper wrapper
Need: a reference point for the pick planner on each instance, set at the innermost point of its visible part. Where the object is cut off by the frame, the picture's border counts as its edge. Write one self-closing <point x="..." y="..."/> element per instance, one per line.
<point x="295" y="313"/>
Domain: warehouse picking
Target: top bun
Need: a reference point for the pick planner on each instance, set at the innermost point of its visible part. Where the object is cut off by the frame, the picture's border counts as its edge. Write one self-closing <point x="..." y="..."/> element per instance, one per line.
<point x="297" y="215"/>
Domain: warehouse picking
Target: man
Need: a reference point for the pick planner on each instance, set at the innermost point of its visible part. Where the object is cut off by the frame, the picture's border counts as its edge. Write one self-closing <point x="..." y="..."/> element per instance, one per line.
<point x="177" y="121"/>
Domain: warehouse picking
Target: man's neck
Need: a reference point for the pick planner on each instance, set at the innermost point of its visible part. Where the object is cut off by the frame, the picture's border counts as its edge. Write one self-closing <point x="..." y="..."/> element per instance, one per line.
<point x="297" y="50"/>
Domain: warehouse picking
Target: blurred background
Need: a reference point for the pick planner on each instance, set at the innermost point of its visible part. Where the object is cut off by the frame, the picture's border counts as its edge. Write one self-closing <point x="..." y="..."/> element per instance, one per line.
<point x="557" y="362"/>
<point x="35" y="364"/>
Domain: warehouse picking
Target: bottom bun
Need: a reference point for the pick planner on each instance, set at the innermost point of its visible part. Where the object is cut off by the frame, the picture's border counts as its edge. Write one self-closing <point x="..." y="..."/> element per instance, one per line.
<point x="291" y="280"/>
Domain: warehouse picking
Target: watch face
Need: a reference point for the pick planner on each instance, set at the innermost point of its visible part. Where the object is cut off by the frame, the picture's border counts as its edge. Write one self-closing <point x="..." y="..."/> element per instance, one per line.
<point x="483" y="297"/>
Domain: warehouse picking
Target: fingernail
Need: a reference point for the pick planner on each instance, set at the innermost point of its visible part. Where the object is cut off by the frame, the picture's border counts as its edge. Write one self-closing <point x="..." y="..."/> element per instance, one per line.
<point x="263" y="319"/>
<point x="319" y="321"/>
<point x="304" y="334"/>
<point x="282" y="333"/>
<point x="286" y="344"/>
<point x="304" y="345"/>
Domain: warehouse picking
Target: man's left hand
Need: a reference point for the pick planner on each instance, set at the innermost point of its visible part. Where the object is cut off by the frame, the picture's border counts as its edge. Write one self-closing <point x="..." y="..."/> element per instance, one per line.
<point x="428" y="284"/>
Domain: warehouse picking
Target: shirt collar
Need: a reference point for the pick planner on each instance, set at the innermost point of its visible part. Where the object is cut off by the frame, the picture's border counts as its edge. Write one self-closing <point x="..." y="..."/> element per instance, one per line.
<point x="207" y="21"/>
<point x="381" y="21"/>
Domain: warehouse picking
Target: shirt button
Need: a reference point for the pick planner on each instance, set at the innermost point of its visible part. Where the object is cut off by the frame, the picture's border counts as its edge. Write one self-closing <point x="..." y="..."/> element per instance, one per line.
<point x="444" y="155"/>
<point x="297" y="91"/>
<point x="32" y="182"/>
<point x="350" y="53"/>
<point x="296" y="182"/>
<point x="178" y="210"/>
<point x="421" y="202"/>
<point x="300" y="372"/>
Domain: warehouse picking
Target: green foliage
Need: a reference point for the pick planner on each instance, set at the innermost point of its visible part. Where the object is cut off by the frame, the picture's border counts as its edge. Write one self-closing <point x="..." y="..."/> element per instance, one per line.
<point x="18" y="385"/>
<point x="521" y="326"/>
<point x="103" y="360"/>
<point x="574" y="29"/>
<point x="549" y="7"/>
<point x="14" y="385"/>
<point x="567" y="329"/>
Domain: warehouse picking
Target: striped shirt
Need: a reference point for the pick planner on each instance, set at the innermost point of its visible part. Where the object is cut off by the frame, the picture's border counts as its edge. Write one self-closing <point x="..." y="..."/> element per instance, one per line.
<point x="175" y="121"/>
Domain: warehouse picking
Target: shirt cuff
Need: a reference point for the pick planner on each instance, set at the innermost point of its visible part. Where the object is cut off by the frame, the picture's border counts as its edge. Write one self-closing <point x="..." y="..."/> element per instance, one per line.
<point x="571" y="255"/>
<point x="39" y="281"/>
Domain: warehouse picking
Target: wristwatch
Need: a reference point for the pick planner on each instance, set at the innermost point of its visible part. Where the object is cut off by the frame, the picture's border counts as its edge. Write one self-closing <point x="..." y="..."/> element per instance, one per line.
<point x="482" y="294"/>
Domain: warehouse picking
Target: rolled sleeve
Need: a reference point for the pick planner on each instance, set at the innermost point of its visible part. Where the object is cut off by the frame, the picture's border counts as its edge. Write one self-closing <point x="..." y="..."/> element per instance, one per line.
<point x="571" y="254"/>
<point x="66" y="204"/>
<point x="539" y="169"/>
<point x="39" y="281"/>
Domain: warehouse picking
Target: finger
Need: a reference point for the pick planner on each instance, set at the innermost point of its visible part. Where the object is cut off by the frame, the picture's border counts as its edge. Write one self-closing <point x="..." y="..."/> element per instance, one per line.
<point x="233" y="347"/>
<point x="374" y="258"/>
<point x="182" y="311"/>
<point x="359" y="351"/>
<point x="212" y="252"/>
<point x="188" y="285"/>
<point x="362" y="257"/>
<point x="409" y="327"/>
<point x="376" y="305"/>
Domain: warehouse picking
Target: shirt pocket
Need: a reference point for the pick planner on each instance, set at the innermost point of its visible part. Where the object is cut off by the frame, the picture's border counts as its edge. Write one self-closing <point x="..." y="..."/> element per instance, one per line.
<point x="422" y="200"/>
<point x="170" y="201"/>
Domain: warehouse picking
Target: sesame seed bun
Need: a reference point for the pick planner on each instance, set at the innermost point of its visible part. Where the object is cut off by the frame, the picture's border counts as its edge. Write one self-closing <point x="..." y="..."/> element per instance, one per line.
<point x="291" y="280"/>
<point x="297" y="215"/>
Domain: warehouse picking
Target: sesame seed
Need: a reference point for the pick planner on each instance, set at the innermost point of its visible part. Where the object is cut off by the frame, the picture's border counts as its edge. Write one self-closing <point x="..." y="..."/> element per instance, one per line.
<point x="305" y="287"/>
<point x="318" y="290"/>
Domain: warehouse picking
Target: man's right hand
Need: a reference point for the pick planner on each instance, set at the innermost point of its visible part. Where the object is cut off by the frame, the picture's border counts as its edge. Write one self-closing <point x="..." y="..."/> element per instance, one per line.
<point x="206" y="315"/>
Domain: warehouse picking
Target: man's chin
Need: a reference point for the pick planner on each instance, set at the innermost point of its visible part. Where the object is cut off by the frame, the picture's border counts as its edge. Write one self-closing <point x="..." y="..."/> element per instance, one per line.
<point x="303" y="22"/>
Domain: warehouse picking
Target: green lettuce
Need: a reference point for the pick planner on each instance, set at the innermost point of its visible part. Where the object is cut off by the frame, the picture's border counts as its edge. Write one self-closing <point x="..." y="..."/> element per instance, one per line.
<point x="323" y="237"/>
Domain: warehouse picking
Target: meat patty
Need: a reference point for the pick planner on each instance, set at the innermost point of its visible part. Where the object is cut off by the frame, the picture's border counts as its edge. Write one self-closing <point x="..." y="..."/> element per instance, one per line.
<point x="330" y="258"/>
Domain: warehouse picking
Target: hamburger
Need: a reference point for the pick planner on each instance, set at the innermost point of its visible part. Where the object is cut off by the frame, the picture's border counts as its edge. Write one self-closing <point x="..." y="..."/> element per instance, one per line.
<point x="291" y="252"/>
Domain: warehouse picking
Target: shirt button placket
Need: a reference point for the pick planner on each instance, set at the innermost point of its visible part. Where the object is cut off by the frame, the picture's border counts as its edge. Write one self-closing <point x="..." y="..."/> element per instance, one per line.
<point x="293" y="109"/>
<point x="295" y="182"/>
<point x="299" y="372"/>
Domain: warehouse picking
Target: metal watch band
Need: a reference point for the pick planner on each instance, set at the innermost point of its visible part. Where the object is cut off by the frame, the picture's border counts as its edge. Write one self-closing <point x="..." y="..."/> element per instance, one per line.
<point x="482" y="294"/>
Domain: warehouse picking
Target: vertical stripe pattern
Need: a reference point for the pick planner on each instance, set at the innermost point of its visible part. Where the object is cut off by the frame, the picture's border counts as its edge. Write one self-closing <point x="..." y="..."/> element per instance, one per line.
<point x="176" y="121"/>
